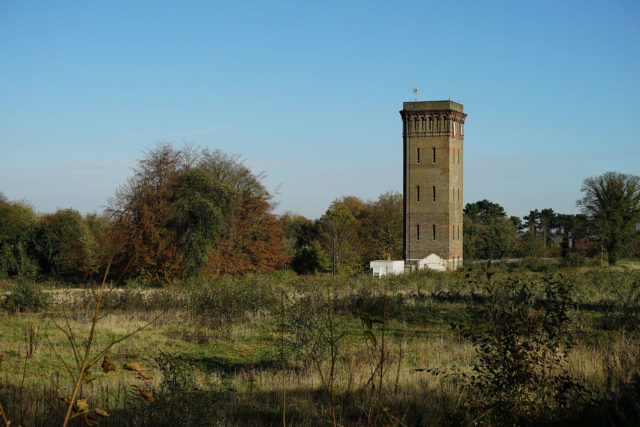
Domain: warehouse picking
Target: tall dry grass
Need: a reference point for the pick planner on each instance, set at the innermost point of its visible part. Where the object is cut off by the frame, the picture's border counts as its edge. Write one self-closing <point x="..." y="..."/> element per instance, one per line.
<point x="226" y="363"/>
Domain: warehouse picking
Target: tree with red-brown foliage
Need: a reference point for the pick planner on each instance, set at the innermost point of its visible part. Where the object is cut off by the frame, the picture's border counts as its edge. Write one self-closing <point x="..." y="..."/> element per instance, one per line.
<point x="192" y="212"/>
<point x="140" y="211"/>
<point x="253" y="243"/>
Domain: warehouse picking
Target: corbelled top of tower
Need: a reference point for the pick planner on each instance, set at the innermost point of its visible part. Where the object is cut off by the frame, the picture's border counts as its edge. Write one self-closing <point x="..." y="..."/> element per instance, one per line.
<point x="432" y="106"/>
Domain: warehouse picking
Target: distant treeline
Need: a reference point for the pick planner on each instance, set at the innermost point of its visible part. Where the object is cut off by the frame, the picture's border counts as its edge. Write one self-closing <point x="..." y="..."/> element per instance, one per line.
<point x="191" y="213"/>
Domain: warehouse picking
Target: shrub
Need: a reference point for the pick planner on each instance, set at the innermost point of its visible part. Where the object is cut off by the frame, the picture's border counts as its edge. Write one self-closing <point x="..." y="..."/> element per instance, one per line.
<point x="520" y="372"/>
<point x="622" y="302"/>
<point x="537" y="264"/>
<point x="26" y="296"/>
<point x="228" y="299"/>
<point x="574" y="259"/>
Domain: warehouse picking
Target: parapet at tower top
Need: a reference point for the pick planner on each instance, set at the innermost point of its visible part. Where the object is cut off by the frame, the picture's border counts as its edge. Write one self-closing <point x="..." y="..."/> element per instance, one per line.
<point x="432" y="106"/>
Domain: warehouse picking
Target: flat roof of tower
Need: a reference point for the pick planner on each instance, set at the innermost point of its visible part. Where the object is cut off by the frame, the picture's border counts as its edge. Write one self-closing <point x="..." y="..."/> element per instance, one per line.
<point x="433" y="105"/>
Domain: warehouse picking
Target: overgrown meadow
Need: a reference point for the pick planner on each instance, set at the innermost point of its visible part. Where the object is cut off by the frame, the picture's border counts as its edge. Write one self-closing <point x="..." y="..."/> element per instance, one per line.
<point x="499" y="345"/>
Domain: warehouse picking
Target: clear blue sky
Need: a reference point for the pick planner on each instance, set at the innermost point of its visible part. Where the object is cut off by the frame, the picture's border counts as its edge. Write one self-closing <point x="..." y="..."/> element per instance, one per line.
<point x="309" y="93"/>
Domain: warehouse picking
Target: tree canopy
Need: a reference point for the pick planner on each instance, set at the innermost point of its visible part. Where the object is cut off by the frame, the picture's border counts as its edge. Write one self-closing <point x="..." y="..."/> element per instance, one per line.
<point x="611" y="202"/>
<point x="488" y="233"/>
<point x="191" y="211"/>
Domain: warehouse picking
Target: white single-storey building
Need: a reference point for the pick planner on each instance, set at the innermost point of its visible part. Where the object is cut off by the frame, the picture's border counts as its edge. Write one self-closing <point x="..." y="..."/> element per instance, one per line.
<point x="380" y="268"/>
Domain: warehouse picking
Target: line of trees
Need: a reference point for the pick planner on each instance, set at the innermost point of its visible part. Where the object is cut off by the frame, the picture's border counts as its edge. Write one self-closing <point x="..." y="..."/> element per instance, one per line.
<point x="609" y="224"/>
<point x="54" y="244"/>
<point x="352" y="232"/>
<point x="184" y="214"/>
<point x="190" y="213"/>
<point x="349" y="234"/>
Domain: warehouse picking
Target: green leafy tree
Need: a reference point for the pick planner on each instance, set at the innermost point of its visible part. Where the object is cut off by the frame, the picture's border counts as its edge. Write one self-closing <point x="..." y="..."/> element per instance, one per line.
<point x="611" y="202"/>
<point x="99" y="228"/>
<point x="298" y="231"/>
<point x="384" y="226"/>
<point x="498" y="237"/>
<point x="483" y="209"/>
<point x="488" y="233"/>
<point x="547" y="223"/>
<point x="310" y="258"/>
<point x="565" y="227"/>
<point x="337" y="231"/>
<point x="199" y="209"/>
<point x="229" y="169"/>
<point x="64" y="244"/>
<point x="17" y="227"/>
<point x="536" y="244"/>
<point x="471" y="233"/>
<point x="517" y="222"/>
<point x="301" y="243"/>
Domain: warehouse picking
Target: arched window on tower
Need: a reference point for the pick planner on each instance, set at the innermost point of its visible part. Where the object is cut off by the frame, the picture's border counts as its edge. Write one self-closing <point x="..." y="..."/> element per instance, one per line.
<point x="417" y="231"/>
<point x="434" y="193"/>
<point x="417" y="193"/>
<point x="418" y="154"/>
<point x="433" y="229"/>
<point x="433" y="154"/>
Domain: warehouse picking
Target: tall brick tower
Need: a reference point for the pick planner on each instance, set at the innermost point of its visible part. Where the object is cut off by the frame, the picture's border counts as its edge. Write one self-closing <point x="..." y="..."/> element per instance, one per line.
<point x="432" y="134"/>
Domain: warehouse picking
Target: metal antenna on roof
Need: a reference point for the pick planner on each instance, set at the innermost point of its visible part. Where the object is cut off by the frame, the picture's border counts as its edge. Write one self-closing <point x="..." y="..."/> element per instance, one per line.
<point x="416" y="91"/>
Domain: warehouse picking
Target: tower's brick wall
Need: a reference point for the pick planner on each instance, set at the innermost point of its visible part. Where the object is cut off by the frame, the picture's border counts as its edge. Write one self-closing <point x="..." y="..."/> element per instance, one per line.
<point x="433" y="134"/>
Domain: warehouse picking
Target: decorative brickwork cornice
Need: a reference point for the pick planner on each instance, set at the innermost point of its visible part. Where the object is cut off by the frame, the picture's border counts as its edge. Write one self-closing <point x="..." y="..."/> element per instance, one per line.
<point x="433" y="123"/>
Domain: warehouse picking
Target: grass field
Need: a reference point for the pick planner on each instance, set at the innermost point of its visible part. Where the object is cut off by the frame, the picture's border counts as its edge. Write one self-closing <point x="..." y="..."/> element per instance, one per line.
<point x="318" y="350"/>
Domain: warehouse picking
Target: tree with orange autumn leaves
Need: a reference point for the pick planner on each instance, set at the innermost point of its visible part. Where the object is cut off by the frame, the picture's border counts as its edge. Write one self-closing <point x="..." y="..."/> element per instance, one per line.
<point x="192" y="212"/>
<point x="253" y="243"/>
